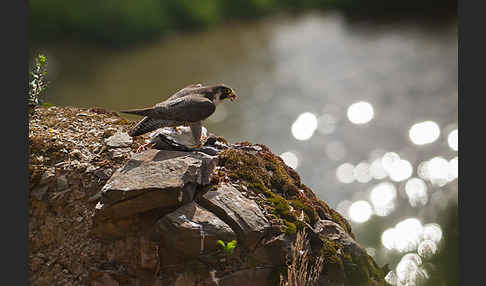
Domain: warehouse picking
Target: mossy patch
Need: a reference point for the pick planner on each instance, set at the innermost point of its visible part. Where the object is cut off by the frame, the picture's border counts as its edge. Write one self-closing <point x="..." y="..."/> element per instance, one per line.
<point x="296" y="204"/>
<point x="359" y="269"/>
<point x="262" y="172"/>
<point x="281" y="194"/>
<point x="290" y="228"/>
<point x="331" y="252"/>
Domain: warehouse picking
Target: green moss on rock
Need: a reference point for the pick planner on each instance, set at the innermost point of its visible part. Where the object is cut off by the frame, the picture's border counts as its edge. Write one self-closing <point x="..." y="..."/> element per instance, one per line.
<point x="281" y="194"/>
<point x="265" y="173"/>
<point x="330" y="250"/>
<point x="290" y="228"/>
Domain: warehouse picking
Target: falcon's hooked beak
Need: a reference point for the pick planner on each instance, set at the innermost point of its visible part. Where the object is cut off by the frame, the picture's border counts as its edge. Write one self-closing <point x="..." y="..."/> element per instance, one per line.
<point x="233" y="96"/>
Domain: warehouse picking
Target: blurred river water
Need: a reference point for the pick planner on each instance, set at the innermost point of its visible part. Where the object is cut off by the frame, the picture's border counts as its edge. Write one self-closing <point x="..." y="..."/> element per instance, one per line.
<point x="365" y="112"/>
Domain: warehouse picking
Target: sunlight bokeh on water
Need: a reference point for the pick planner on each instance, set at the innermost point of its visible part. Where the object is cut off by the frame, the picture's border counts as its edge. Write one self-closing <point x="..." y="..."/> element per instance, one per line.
<point x="453" y="140"/>
<point x="424" y="132"/>
<point x="360" y="112"/>
<point x="361" y="172"/>
<point x="345" y="173"/>
<point x="383" y="197"/>
<point x="360" y="211"/>
<point x="304" y="126"/>
<point x="416" y="190"/>
<point x="439" y="171"/>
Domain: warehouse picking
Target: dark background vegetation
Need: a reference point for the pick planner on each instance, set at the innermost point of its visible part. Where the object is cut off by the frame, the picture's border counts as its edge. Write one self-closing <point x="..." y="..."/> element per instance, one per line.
<point x="119" y="22"/>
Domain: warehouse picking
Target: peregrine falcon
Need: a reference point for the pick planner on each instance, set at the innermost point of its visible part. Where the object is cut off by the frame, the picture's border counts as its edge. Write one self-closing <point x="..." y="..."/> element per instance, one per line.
<point x="189" y="106"/>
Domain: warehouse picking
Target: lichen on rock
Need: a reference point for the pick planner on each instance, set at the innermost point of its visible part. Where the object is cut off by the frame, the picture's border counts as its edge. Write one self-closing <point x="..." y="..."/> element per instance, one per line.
<point x="102" y="215"/>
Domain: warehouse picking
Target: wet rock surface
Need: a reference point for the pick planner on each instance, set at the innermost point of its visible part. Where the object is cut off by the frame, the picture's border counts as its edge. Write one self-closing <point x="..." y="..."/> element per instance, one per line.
<point x="160" y="217"/>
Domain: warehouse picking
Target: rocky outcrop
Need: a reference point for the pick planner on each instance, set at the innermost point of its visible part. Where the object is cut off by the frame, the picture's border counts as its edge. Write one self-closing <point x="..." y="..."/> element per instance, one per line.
<point x="150" y="181"/>
<point x="166" y="217"/>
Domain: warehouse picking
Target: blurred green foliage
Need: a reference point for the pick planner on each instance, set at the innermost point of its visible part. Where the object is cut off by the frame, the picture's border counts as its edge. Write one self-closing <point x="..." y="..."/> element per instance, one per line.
<point x="124" y="21"/>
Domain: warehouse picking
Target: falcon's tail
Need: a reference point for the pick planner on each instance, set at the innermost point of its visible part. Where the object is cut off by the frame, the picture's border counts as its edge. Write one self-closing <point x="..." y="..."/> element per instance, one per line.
<point x="148" y="124"/>
<point x="144" y="126"/>
<point x="142" y="112"/>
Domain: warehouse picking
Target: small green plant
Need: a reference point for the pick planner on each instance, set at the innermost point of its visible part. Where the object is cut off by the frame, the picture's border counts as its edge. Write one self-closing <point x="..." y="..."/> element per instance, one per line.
<point x="37" y="81"/>
<point x="228" y="247"/>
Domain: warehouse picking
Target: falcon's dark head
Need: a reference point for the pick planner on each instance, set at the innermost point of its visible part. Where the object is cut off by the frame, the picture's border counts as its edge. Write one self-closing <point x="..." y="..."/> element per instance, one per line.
<point x="220" y="92"/>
